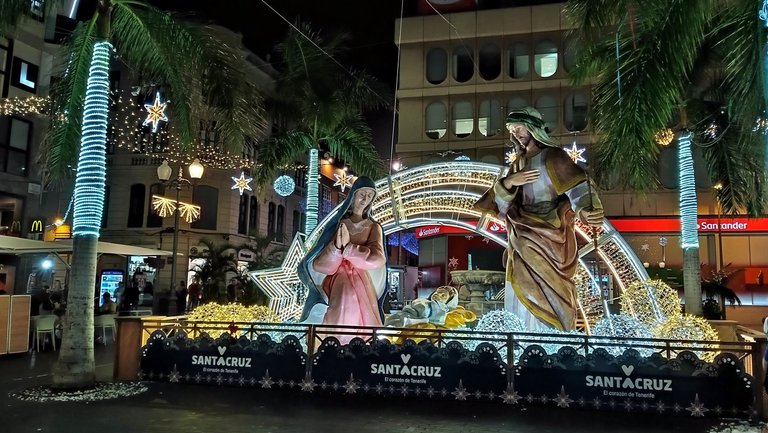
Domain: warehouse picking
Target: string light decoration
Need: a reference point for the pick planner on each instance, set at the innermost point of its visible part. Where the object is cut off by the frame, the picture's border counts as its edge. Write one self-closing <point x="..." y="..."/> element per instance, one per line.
<point x="689" y="327"/>
<point x="242" y="183"/>
<point x="664" y="137"/>
<point x="284" y="185"/>
<point x="313" y="191"/>
<point x="588" y="295"/>
<point x="576" y="153"/>
<point x="689" y="232"/>
<point x="91" y="168"/>
<point x="625" y="326"/>
<point x="462" y="158"/>
<point x="652" y="302"/>
<point x="280" y="284"/>
<point x="156" y="112"/>
<point x="233" y="312"/>
<point x="33" y="105"/>
<point x="711" y="130"/>
<point x="761" y="125"/>
<point x="343" y="180"/>
<point x="165" y="207"/>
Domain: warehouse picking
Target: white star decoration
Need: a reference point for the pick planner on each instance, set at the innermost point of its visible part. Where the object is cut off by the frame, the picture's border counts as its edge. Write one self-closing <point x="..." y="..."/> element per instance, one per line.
<point x="266" y="381"/>
<point x="645" y="247"/>
<point x="562" y="399"/>
<point x="460" y="392"/>
<point x="278" y="283"/>
<point x="242" y="183"/>
<point x="510" y="158"/>
<point x="576" y="153"/>
<point x="343" y="180"/>
<point x="308" y="385"/>
<point x="696" y="408"/>
<point x="351" y="386"/>
<point x="453" y="262"/>
<point x="156" y="112"/>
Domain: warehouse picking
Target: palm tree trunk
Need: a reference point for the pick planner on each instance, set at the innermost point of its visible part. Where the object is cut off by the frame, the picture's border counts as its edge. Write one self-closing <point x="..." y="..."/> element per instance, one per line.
<point x="75" y="367"/>
<point x="313" y="191"/>
<point x="689" y="232"/>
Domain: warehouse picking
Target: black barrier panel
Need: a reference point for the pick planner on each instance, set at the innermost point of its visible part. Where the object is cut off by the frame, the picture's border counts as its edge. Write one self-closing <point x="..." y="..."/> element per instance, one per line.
<point x="224" y="361"/>
<point x="410" y="369"/>
<point x="629" y="382"/>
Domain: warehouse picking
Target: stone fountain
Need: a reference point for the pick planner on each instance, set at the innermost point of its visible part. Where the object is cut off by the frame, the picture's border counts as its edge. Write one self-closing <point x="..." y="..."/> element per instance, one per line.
<point x="478" y="282"/>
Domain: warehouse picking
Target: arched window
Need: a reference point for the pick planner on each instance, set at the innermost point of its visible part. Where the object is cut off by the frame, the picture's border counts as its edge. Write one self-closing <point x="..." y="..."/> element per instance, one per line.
<point x="207" y="197"/>
<point x="517" y="102"/>
<point x="518" y="60"/>
<point x="463" y="64"/>
<point x="280" y="223"/>
<point x="490" y="61"/>
<point x="271" y="217"/>
<point x="575" y="111"/>
<point x="253" y="217"/>
<point x="436" y="118"/>
<point x="462" y="119"/>
<point x="548" y="107"/>
<point x="136" y="205"/>
<point x="545" y="59"/>
<point x="489" y="120"/>
<point x="570" y="53"/>
<point x="437" y="65"/>
<point x="153" y="219"/>
<point x="242" y="216"/>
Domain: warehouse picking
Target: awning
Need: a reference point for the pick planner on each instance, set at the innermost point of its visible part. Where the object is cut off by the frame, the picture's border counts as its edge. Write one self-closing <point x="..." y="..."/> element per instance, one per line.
<point x="13" y="245"/>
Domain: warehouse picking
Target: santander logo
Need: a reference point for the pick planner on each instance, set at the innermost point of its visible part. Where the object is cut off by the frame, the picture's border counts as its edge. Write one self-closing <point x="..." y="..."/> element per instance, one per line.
<point x="429" y="231"/>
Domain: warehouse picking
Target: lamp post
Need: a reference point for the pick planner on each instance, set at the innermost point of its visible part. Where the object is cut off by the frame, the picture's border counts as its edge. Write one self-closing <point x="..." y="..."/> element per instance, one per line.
<point x="164" y="173"/>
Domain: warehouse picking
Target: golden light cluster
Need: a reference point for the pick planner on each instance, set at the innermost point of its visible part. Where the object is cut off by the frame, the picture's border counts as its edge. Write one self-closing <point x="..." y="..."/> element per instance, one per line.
<point x="233" y="312"/>
<point x="664" y="137"/>
<point x="165" y="207"/>
<point x="33" y="105"/>
<point x="687" y="327"/>
<point x="652" y="302"/>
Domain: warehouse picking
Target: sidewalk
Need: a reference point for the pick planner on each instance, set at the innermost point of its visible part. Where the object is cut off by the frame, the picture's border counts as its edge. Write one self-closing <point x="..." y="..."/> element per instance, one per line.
<point x="188" y="408"/>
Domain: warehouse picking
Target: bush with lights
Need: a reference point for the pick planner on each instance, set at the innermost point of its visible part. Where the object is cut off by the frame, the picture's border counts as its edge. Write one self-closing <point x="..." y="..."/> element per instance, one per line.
<point x="689" y="327"/>
<point x="233" y="312"/>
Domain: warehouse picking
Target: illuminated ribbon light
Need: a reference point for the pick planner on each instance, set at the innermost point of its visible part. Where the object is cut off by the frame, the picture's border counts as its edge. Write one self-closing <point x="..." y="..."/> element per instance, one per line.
<point x="91" y="168"/>
<point x="165" y="207"/>
<point x="313" y="190"/>
<point x="156" y="112"/>
<point x="689" y="233"/>
<point x="242" y="183"/>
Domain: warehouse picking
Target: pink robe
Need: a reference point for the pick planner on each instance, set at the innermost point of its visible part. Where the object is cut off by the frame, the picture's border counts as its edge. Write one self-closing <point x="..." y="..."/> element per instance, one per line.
<point x="353" y="297"/>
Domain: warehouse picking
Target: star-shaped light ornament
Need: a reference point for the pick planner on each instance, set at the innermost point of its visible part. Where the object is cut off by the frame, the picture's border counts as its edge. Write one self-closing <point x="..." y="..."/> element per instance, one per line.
<point x="242" y="183"/>
<point x="279" y="284"/>
<point x="343" y="180"/>
<point x="510" y="158"/>
<point x="453" y="262"/>
<point x="156" y="112"/>
<point x="576" y="153"/>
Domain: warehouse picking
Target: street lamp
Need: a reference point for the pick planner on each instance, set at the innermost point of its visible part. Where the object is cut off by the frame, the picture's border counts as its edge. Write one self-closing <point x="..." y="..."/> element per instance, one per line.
<point x="164" y="173"/>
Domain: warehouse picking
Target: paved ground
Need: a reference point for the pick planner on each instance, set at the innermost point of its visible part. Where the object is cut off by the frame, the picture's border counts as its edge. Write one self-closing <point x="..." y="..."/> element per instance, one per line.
<point x="169" y="408"/>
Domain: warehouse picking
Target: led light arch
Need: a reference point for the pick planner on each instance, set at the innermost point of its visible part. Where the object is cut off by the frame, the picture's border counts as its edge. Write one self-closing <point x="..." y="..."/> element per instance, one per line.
<point x="443" y="194"/>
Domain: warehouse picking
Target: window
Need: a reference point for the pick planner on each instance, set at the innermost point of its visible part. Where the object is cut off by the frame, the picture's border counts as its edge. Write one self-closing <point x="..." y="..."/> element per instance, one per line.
<point x="547" y="106"/>
<point x="463" y="64"/>
<point x="242" y="217"/>
<point x="437" y="65"/>
<point x="14" y="153"/>
<point x="462" y="119"/>
<point x="36" y="10"/>
<point x="153" y="219"/>
<point x="209" y="135"/>
<point x="136" y="205"/>
<point x="105" y="212"/>
<point x="207" y="197"/>
<point x="326" y="204"/>
<point x="253" y="217"/>
<point x="490" y="62"/>
<point x="24" y="75"/>
<point x="517" y="102"/>
<point x="436" y="119"/>
<point x="489" y="121"/>
<point x="570" y="53"/>
<point x="280" y="223"/>
<point x="250" y="149"/>
<point x="575" y="111"/>
<point x="296" y="222"/>
<point x="518" y="60"/>
<point x="271" y="221"/>
<point x="545" y="59"/>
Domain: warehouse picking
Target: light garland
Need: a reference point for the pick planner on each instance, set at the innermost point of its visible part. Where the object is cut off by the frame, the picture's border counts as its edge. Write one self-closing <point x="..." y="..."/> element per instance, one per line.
<point x="343" y="180"/>
<point x="233" y="312"/>
<point x="32" y="105"/>
<point x="242" y="183"/>
<point x="652" y="302"/>
<point x="284" y="185"/>
<point x="155" y="112"/>
<point x="689" y="232"/>
<point x="689" y="327"/>
<point x="313" y="191"/>
<point x="165" y="207"/>
<point x="664" y="137"/>
<point x="711" y="130"/>
<point x="91" y="167"/>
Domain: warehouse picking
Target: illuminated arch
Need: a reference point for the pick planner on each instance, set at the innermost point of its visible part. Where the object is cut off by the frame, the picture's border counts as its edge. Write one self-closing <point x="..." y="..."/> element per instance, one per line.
<point x="443" y="194"/>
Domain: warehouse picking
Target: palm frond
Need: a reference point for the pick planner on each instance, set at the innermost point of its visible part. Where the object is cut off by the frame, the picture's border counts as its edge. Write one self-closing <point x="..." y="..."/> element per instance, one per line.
<point x="352" y="143"/>
<point x="62" y="143"/>
<point x="281" y="151"/>
<point x="13" y="11"/>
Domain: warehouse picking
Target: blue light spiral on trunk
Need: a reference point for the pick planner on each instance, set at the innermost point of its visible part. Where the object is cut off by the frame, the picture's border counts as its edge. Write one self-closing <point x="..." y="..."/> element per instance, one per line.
<point x="313" y="191"/>
<point x="689" y="232"/>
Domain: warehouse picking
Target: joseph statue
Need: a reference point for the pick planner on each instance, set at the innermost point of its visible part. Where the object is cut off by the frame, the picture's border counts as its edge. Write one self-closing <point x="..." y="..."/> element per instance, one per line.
<point x="539" y="198"/>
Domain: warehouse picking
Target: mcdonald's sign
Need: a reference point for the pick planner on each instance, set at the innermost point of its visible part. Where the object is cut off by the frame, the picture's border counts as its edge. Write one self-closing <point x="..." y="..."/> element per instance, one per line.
<point x="37" y="226"/>
<point x="16" y="227"/>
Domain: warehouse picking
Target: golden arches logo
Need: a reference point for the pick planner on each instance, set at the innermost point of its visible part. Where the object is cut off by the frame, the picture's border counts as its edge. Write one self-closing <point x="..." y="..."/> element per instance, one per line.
<point x="37" y="226"/>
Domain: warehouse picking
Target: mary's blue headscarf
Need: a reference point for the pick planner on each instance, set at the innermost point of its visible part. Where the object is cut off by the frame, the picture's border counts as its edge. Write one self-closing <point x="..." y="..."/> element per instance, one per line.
<point x="316" y="295"/>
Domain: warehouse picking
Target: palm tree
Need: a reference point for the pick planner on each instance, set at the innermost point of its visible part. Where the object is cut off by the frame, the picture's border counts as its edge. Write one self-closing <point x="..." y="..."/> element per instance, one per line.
<point x="220" y="262"/>
<point x="650" y="64"/>
<point x="319" y="105"/>
<point x="185" y="58"/>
